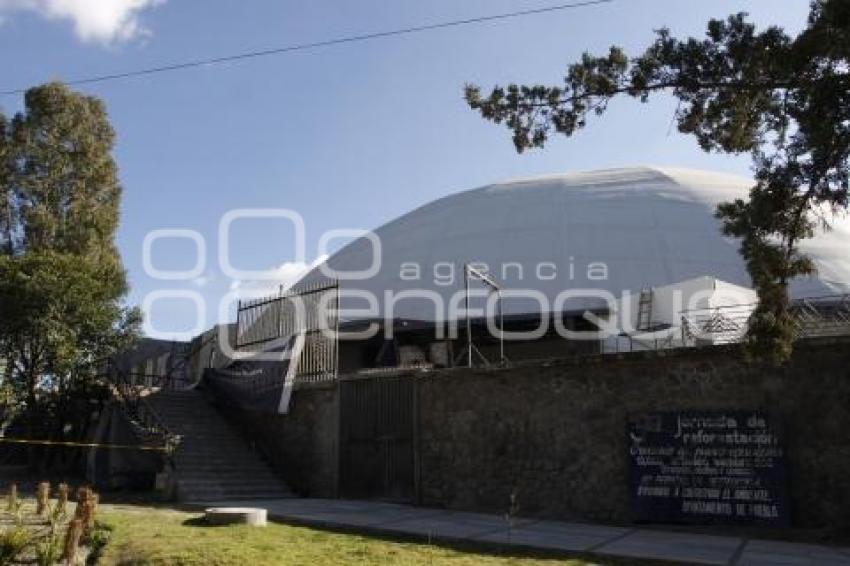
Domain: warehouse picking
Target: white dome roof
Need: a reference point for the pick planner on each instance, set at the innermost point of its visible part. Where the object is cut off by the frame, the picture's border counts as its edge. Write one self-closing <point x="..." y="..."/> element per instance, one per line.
<point x="648" y="226"/>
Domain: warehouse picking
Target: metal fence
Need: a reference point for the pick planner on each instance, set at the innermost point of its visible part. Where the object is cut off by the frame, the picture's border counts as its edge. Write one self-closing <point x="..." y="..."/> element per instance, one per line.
<point x="822" y="316"/>
<point x="812" y="318"/>
<point x="718" y="325"/>
<point x="312" y="310"/>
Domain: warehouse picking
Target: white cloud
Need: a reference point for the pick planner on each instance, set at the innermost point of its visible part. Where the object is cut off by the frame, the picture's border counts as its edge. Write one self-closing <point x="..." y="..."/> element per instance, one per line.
<point x="283" y="276"/>
<point x="100" y="21"/>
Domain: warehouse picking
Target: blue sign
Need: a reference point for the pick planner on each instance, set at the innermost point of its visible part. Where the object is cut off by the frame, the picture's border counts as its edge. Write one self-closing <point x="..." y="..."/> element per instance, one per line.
<point x="707" y="467"/>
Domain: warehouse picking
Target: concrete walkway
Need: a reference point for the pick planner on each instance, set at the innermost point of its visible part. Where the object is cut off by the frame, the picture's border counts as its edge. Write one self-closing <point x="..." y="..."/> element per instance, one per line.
<point x="387" y="518"/>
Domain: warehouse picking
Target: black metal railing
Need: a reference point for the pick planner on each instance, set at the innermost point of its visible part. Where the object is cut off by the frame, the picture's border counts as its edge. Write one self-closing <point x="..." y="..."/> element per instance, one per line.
<point x="311" y="310"/>
<point x="129" y="391"/>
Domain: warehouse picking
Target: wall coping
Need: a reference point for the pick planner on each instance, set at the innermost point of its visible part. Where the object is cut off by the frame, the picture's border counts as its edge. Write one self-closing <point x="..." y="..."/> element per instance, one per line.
<point x="595" y="360"/>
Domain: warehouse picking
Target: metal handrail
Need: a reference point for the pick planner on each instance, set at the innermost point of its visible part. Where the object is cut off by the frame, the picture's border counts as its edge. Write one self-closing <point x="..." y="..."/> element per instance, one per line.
<point x="152" y="418"/>
<point x="138" y="410"/>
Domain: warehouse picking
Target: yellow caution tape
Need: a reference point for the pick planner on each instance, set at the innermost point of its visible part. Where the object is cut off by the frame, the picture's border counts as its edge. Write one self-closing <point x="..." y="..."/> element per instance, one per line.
<point x="85" y="444"/>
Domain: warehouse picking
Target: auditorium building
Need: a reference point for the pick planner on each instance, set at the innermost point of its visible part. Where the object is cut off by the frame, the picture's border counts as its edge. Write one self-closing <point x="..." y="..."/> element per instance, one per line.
<point x="532" y="339"/>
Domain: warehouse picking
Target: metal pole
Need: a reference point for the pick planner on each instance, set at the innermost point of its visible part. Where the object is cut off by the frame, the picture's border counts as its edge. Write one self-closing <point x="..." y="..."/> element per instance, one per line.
<point x="468" y="322"/>
<point x="238" y="325"/>
<point x="501" y="328"/>
<point x="336" y="334"/>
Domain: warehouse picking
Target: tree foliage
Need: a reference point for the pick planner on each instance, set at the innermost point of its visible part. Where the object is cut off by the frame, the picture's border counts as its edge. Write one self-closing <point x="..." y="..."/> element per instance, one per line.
<point x="62" y="282"/>
<point x="785" y="100"/>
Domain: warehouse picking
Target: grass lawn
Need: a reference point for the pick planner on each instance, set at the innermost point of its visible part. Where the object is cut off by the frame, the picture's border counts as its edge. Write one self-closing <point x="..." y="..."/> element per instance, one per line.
<point x="147" y="535"/>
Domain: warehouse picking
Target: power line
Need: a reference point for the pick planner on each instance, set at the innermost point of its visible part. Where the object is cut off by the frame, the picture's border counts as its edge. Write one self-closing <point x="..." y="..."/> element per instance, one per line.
<point x="314" y="45"/>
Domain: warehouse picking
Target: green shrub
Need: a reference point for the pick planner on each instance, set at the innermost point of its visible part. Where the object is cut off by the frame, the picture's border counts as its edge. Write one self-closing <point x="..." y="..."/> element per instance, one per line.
<point x="62" y="497"/>
<point x="12" y="542"/>
<point x="12" y="498"/>
<point x="19" y="513"/>
<point x="49" y="551"/>
<point x="55" y="518"/>
<point x="97" y="539"/>
<point x="42" y="498"/>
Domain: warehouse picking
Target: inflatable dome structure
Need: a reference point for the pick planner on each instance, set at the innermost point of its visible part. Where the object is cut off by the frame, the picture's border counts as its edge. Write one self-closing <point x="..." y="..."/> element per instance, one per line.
<point x="614" y="230"/>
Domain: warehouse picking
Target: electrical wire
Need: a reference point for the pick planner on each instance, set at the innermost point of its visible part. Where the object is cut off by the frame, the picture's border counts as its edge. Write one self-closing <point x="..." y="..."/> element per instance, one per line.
<point x="317" y="44"/>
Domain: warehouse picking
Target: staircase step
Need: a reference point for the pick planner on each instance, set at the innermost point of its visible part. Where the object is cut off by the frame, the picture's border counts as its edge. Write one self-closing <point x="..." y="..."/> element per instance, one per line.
<point x="231" y="489"/>
<point x="233" y="454"/>
<point x="189" y="463"/>
<point x="231" y="479"/>
<point x="193" y="444"/>
<point x="230" y="484"/>
<point x="213" y="461"/>
<point x="225" y="469"/>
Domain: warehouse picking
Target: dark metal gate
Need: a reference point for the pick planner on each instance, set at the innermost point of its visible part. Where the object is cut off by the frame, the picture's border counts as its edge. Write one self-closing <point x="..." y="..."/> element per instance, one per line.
<point x="377" y="438"/>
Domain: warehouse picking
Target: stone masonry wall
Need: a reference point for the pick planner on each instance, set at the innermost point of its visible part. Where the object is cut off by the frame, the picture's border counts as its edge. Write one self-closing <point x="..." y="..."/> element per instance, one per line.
<point x="556" y="432"/>
<point x="301" y="445"/>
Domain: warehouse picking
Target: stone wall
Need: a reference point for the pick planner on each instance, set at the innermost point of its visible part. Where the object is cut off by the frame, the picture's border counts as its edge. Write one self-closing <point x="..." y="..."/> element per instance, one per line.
<point x="302" y="445"/>
<point x="556" y="432"/>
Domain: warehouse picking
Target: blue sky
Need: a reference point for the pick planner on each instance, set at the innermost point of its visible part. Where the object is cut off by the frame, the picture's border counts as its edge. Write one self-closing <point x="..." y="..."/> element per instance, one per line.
<point x="349" y="136"/>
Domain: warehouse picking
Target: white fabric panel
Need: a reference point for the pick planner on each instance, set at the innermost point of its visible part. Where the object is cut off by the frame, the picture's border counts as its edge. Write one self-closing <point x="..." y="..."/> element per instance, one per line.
<point x="650" y="226"/>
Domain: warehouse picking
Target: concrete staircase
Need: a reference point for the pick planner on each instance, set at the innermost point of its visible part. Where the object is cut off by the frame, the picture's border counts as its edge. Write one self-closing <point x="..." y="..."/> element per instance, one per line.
<point x="213" y="461"/>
